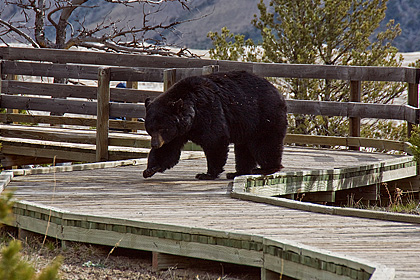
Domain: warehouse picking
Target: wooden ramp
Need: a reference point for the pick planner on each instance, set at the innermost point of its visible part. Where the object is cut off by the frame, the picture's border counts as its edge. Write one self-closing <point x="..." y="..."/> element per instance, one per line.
<point x="174" y="213"/>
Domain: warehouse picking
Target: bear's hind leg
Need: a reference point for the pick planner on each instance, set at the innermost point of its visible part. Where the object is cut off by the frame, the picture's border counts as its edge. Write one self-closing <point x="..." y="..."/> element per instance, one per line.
<point x="244" y="161"/>
<point x="216" y="159"/>
<point x="269" y="156"/>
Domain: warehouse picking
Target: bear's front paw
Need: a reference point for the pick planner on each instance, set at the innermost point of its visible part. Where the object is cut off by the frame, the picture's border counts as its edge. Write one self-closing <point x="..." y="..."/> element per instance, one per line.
<point x="149" y="172"/>
<point x="205" y="176"/>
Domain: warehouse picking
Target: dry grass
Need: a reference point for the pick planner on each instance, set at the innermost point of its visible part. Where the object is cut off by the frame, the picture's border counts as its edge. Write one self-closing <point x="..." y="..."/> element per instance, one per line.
<point x="399" y="201"/>
<point x="90" y="262"/>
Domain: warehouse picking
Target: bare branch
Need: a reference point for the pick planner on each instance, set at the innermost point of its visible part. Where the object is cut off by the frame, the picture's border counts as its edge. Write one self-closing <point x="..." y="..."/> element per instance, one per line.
<point x="21" y="33"/>
<point x="146" y="36"/>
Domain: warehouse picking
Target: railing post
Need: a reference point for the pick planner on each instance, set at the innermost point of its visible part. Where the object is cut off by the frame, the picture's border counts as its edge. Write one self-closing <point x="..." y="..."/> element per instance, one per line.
<point x="413" y="100"/>
<point x="354" y="122"/>
<point x="169" y="78"/>
<point x="102" y="118"/>
<point x="133" y="85"/>
<point x="209" y="69"/>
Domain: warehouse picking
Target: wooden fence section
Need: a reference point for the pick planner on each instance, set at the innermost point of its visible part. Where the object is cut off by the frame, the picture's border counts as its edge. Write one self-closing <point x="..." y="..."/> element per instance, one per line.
<point x="58" y="99"/>
<point x="42" y="144"/>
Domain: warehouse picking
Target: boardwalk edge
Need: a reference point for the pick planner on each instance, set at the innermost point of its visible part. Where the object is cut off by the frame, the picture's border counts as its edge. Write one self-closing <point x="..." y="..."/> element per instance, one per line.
<point x="281" y="257"/>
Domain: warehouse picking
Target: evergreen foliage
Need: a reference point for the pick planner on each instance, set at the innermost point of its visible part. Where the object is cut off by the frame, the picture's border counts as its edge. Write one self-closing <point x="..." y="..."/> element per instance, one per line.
<point x="330" y="32"/>
<point x="12" y="267"/>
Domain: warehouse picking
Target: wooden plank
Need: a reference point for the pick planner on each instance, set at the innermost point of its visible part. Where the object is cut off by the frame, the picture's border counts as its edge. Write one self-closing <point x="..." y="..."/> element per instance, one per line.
<point x="50" y="70"/>
<point x="169" y="78"/>
<point x="82" y="153"/>
<point x="413" y="100"/>
<point x="102" y="119"/>
<point x="7" y="161"/>
<point x="65" y="151"/>
<point x="87" y="72"/>
<point x="136" y="74"/>
<point x="335" y="72"/>
<point x="58" y="105"/>
<point x="300" y="261"/>
<point x="354" y="122"/>
<point x="61" y="120"/>
<point x="356" y="73"/>
<point x="346" y="141"/>
<point x="101" y="58"/>
<point x="78" y="91"/>
<point x="73" y="135"/>
<point x="209" y="69"/>
<point x="54" y="105"/>
<point x="352" y="109"/>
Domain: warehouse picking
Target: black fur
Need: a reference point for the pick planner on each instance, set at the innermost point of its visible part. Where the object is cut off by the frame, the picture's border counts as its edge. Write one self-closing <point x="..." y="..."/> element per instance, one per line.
<point x="214" y="111"/>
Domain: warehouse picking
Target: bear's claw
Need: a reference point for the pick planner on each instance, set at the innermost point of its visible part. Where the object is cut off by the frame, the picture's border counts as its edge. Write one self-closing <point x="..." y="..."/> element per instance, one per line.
<point x="149" y="172"/>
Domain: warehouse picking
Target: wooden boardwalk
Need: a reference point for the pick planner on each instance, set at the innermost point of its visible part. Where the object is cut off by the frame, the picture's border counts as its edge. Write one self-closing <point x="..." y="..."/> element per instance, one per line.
<point x="176" y="198"/>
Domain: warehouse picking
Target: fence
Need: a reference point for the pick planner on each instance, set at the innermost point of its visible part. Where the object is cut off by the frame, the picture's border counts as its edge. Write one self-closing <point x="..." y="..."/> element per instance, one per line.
<point x="127" y="104"/>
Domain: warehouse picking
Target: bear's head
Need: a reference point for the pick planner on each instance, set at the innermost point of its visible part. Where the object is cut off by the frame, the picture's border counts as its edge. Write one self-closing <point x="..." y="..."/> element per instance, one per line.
<point x="166" y="120"/>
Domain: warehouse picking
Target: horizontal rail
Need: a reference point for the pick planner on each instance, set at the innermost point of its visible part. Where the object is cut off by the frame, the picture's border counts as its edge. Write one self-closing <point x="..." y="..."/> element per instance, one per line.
<point x="87" y="136"/>
<point x="57" y="105"/>
<point x="87" y="72"/>
<point x="324" y="108"/>
<point x="77" y="121"/>
<point x="76" y="91"/>
<point x="380" y="144"/>
<point x="353" y="109"/>
<point x="339" y="72"/>
<point x="67" y="151"/>
<point x="355" y="73"/>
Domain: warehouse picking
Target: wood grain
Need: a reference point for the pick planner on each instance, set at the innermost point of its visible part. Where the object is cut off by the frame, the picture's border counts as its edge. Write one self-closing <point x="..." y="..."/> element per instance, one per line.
<point x="176" y="198"/>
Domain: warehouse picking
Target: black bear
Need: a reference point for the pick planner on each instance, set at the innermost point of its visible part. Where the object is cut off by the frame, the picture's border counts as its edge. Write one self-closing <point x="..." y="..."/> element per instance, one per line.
<point x="213" y="111"/>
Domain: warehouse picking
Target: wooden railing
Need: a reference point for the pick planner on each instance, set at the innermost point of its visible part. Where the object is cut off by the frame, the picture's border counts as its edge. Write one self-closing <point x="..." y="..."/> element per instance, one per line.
<point x="128" y="103"/>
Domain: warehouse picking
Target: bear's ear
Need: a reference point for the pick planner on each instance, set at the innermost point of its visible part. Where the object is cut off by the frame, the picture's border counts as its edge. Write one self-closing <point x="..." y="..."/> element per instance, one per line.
<point x="178" y="105"/>
<point x="147" y="102"/>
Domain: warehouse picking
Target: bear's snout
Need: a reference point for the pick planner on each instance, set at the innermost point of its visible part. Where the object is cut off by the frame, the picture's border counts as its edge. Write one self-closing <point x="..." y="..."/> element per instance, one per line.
<point x="157" y="141"/>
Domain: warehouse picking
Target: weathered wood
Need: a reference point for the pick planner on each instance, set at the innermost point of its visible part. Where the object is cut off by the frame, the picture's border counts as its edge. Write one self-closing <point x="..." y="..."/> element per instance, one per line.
<point x="65" y="151"/>
<point x="353" y="109"/>
<point x="300" y="261"/>
<point x="81" y="71"/>
<point x="413" y="100"/>
<point x="331" y="72"/>
<point x="73" y="135"/>
<point x="354" y="122"/>
<point x="50" y="70"/>
<point x="355" y="73"/>
<point x="169" y="78"/>
<point x="54" y="105"/>
<point x="346" y="141"/>
<point x="57" y="105"/>
<point x="60" y="120"/>
<point x="102" y="119"/>
<point x="78" y="91"/>
<point x="209" y="69"/>
<point x="169" y="199"/>
<point x="7" y="161"/>
<point x="100" y="58"/>
<point x="136" y="74"/>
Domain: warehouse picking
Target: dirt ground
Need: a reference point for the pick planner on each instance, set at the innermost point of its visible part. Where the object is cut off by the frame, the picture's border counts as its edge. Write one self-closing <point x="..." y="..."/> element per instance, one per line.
<point x="90" y="262"/>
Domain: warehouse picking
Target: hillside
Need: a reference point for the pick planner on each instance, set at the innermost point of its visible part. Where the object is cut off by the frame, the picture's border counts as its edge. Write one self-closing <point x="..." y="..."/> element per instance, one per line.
<point x="215" y="14"/>
<point x="237" y="16"/>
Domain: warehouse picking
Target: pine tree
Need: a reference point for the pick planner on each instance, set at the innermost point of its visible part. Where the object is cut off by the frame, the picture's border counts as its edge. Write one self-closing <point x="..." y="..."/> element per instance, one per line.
<point x="12" y="267"/>
<point x="330" y="32"/>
